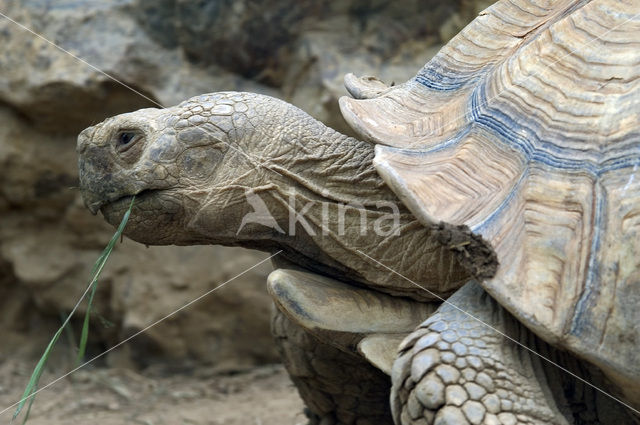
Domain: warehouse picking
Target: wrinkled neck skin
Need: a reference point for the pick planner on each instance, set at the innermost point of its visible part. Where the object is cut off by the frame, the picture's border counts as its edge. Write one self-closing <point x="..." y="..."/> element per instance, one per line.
<point x="293" y="185"/>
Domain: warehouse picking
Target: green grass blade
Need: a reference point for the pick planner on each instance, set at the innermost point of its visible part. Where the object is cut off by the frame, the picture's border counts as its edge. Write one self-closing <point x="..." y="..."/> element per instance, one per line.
<point x="37" y="372"/>
<point x="29" y="392"/>
<point x="102" y="260"/>
<point x="68" y="331"/>
<point x="26" y="414"/>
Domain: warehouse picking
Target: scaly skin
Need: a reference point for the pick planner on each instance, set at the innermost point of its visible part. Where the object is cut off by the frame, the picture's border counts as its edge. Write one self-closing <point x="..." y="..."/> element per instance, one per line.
<point x="193" y="164"/>
<point x="339" y="388"/>
<point x="455" y="370"/>
<point x="191" y="167"/>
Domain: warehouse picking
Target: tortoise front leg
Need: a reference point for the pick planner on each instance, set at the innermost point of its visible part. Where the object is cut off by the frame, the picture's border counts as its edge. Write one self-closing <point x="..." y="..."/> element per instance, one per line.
<point x="456" y="370"/>
<point x="338" y="388"/>
<point x="338" y="343"/>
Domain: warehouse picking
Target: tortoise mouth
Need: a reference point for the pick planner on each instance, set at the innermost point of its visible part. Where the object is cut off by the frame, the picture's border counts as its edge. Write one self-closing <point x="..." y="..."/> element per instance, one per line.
<point x="140" y="196"/>
<point x="157" y="217"/>
<point x="121" y="204"/>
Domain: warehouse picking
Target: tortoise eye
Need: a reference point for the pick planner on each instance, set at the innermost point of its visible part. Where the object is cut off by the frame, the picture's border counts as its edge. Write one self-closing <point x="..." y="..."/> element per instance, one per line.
<point x="125" y="140"/>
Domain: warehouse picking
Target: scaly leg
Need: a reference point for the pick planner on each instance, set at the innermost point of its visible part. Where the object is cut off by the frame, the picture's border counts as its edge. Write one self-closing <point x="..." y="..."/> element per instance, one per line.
<point x="338" y="388"/>
<point x="456" y="370"/>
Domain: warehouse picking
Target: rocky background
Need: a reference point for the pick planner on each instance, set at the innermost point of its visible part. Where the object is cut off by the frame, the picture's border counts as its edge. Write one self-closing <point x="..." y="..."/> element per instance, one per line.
<point x="164" y="51"/>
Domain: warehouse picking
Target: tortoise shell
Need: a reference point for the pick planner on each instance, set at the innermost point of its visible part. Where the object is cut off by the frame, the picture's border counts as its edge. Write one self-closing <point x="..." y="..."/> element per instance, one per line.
<point x="526" y="129"/>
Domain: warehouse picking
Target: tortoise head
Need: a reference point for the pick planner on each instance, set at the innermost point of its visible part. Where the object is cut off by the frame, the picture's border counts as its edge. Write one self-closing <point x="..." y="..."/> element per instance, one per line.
<point x="170" y="159"/>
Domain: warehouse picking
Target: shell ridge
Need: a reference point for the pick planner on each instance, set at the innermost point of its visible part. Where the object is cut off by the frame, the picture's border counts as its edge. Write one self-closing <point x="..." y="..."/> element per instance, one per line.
<point x="482" y="227"/>
<point x="453" y="78"/>
<point x="593" y="267"/>
<point x="565" y="221"/>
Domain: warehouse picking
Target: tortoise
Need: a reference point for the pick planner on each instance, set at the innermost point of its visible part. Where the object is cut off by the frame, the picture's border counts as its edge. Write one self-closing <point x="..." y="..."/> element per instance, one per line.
<point x="495" y="275"/>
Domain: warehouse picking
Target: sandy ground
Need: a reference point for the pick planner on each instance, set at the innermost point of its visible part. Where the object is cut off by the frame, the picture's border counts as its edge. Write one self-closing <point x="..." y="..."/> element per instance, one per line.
<point x="110" y="396"/>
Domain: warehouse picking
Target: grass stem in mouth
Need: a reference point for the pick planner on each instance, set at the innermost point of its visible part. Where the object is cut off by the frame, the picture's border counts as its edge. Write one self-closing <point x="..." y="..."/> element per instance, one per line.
<point x="32" y="385"/>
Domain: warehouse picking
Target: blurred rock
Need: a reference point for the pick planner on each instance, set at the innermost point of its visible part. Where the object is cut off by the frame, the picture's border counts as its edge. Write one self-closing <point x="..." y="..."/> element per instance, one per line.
<point x="161" y="52"/>
<point x="59" y="93"/>
<point x="49" y="244"/>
